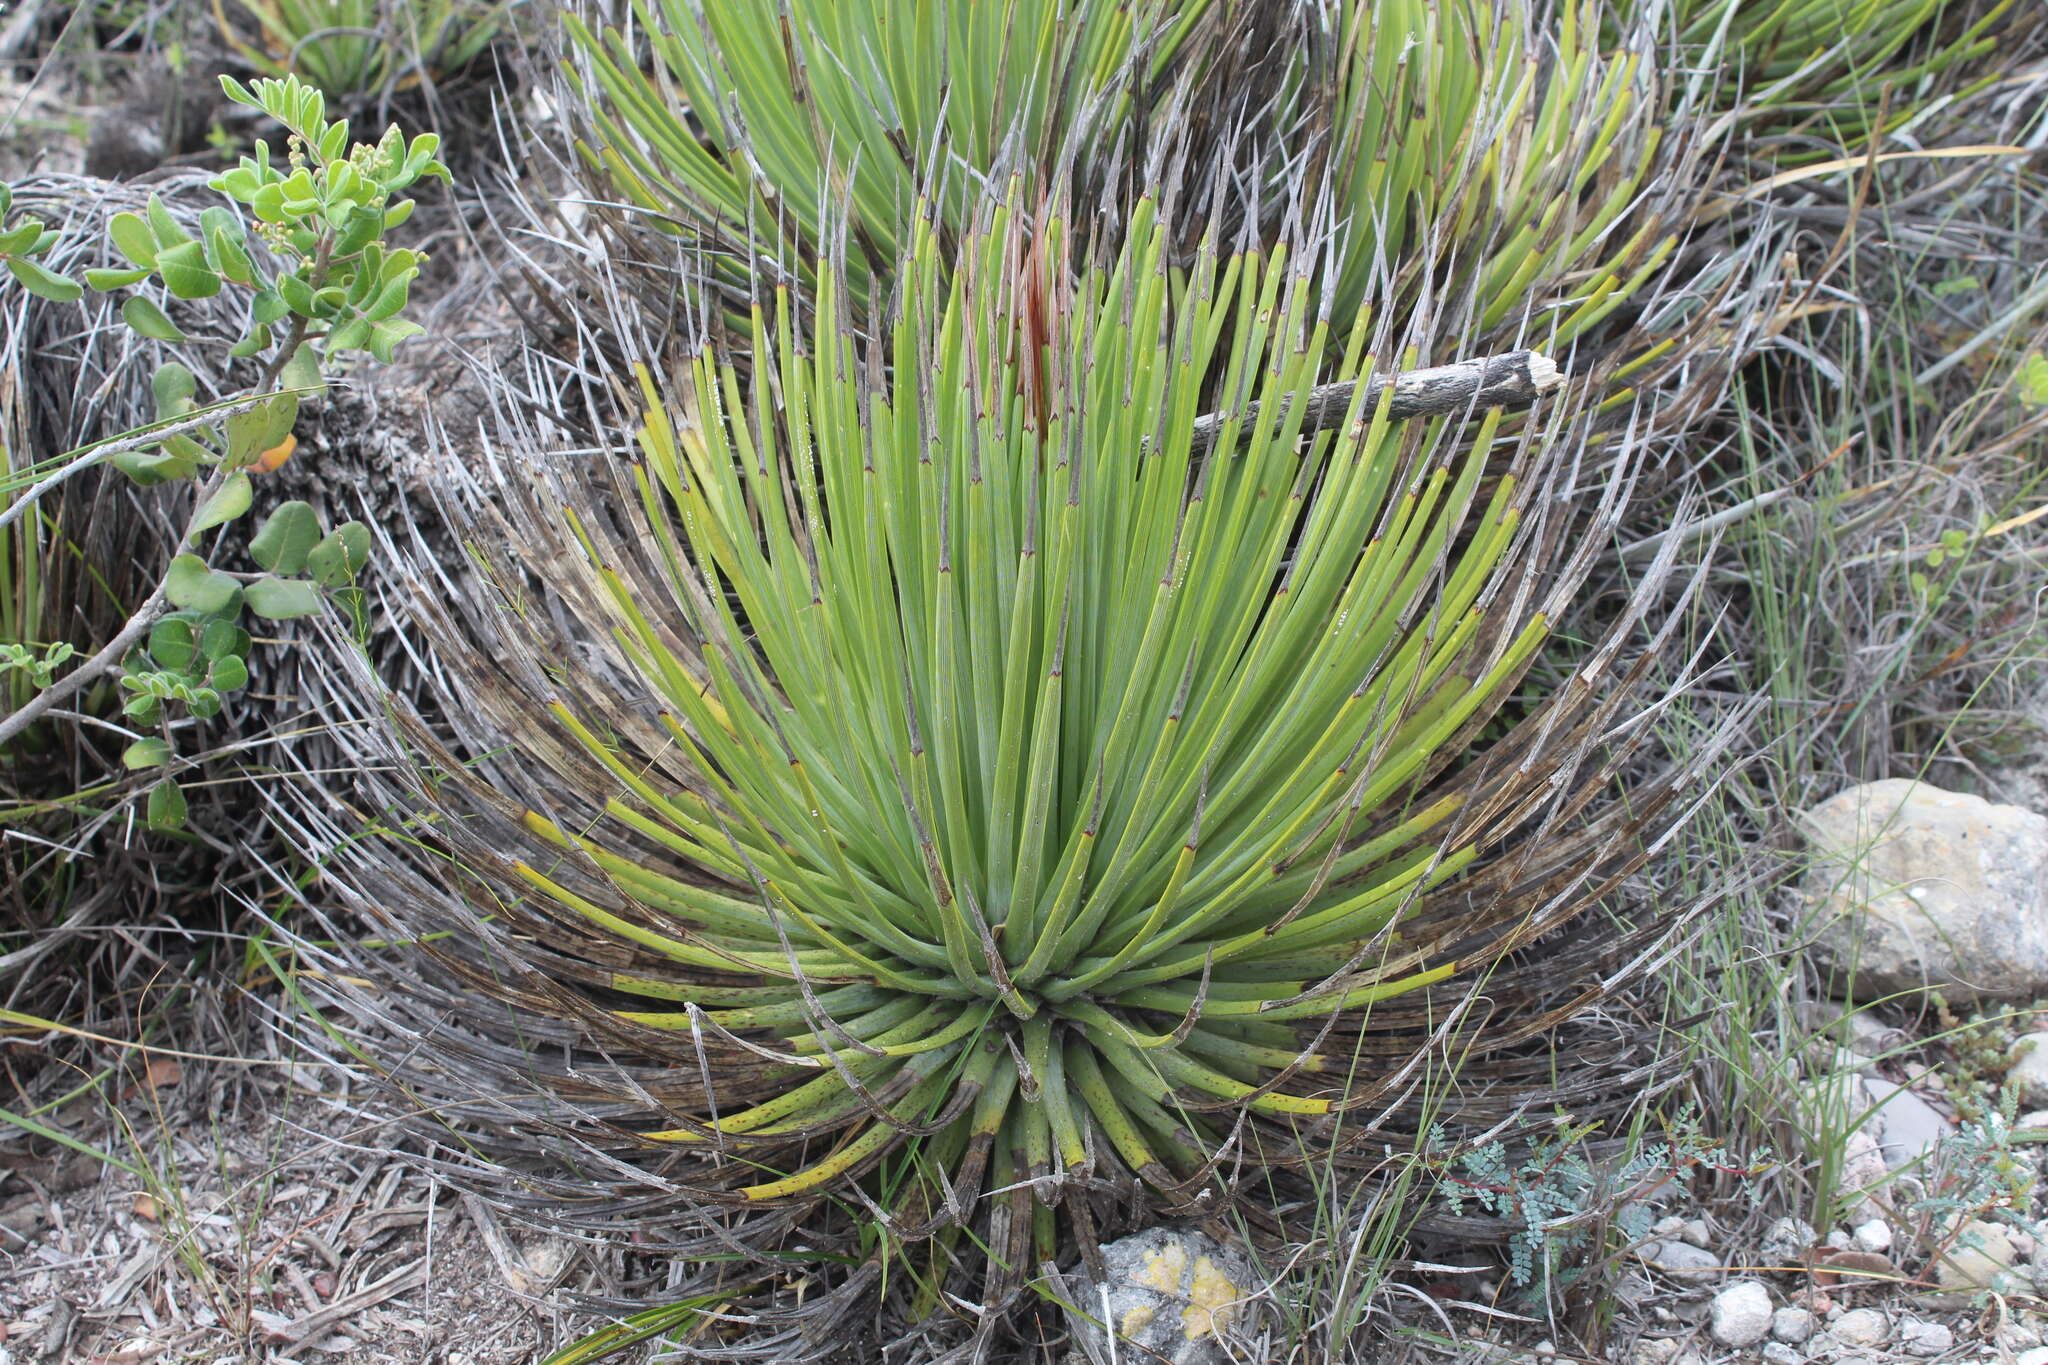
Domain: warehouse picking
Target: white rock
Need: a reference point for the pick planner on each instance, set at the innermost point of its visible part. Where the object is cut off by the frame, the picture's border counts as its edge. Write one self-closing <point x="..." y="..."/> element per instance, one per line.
<point x="1926" y="1338"/>
<point x="1653" y="1351"/>
<point x="1174" y="1294"/>
<point x="1794" y="1325"/>
<point x="1785" y="1242"/>
<point x="1914" y="887"/>
<point x="2037" y="1355"/>
<point x="1911" y="1127"/>
<point x="1778" y="1353"/>
<point x="1670" y="1225"/>
<point x="1862" y="1168"/>
<point x="2016" y="1337"/>
<point x="1697" y="1233"/>
<point x="1682" y="1261"/>
<point x="1741" y="1315"/>
<point x="1860" y="1327"/>
<point x="1875" y="1235"/>
<point x="2037" y="1119"/>
<point x="1982" y="1253"/>
<point x="2028" y="1072"/>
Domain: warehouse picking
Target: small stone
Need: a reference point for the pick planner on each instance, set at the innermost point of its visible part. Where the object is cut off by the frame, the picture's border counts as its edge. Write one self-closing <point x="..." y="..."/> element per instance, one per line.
<point x="1741" y="1314"/>
<point x="1778" y="1353"/>
<point x="1926" y="1338"/>
<point x="1793" y="1325"/>
<point x="2037" y="1355"/>
<point x="1874" y="1236"/>
<point x="1862" y="1168"/>
<point x="1785" y="1243"/>
<point x="1546" y="1348"/>
<point x="1682" y="1261"/>
<point x="1671" y="1225"/>
<point x="2037" y="1120"/>
<point x="1860" y="1327"/>
<point x="1696" y="1233"/>
<point x="2017" y="1337"/>
<point x="1173" y="1293"/>
<point x="1980" y="1255"/>
<point x="1911" y="1126"/>
<point x="1654" y="1351"/>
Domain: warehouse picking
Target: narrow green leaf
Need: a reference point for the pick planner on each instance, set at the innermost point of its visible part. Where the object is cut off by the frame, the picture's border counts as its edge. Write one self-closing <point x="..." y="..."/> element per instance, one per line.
<point x="164" y="227"/>
<point x="104" y="280"/>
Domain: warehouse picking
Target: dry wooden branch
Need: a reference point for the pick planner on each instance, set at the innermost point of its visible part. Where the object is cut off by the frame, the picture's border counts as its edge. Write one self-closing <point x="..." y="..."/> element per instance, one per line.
<point x="1513" y="380"/>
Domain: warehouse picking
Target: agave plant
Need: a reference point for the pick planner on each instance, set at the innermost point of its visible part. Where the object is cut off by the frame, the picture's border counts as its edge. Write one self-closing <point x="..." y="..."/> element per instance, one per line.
<point x="948" y="786"/>
<point x="747" y="126"/>
<point x="752" y="125"/>
<point x="354" y="49"/>
<point x="1836" y="58"/>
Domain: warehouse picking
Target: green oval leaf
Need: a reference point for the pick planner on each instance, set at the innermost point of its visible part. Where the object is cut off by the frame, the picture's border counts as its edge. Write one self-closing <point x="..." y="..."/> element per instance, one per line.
<point x="133" y="239"/>
<point x="223" y="640"/>
<point x="173" y="643"/>
<point x="228" y="675"/>
<point x="146" y="753"/>
<point x="255" y="430"/>
<point x="185" y="272"/>
<point x="190" y="584"/>
<point x="149" y="320"/>
<point x="167" y="808"/>
<point x="229" y="502"/>
<point x="339" y="557"/>
<point x="289" y="534"/>
<point x="173" y="386"/>
<point x="44" y="284"/>
<point x="283" y="599"/>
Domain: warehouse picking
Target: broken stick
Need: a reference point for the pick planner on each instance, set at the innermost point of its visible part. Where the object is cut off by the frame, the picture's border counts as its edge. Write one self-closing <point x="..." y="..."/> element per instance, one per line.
<point x="1513" y="380"/>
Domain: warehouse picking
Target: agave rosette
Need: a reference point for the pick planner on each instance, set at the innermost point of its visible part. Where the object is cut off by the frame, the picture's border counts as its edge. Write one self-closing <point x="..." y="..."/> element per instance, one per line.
<point x="984" y="800"/>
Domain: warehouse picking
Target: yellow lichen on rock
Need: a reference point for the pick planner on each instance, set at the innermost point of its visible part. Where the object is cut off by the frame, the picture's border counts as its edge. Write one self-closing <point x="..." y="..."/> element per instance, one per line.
<point x="1214" y="1300"/>
<point x="1164" y="1269"/>
<point x="1137" y="1320"/>
<point x="1212" y="1295"/>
